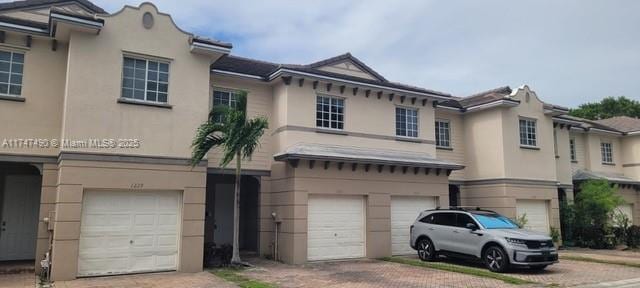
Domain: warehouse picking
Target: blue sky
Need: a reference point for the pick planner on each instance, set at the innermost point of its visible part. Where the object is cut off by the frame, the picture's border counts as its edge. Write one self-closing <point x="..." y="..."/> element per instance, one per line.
<point x="569" y="51"/>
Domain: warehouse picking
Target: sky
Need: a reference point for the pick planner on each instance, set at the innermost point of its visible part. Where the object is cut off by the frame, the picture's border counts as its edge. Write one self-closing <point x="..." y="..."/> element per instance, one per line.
<point x="570" y="52"/>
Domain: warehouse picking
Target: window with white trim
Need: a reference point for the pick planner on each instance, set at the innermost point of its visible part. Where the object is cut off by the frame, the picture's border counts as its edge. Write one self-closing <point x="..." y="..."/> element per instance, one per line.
<point x="330" y="112"/>
<point x="607" y="152"/>
<point x="226" y="98"/>
<point x="528" y="132"/>
<point x="145" y="80"/>
<point x="572" y="149"/>
<point x="443" y="134"/>
<point x="406" y="122"/>
<point x="11" y="67"/>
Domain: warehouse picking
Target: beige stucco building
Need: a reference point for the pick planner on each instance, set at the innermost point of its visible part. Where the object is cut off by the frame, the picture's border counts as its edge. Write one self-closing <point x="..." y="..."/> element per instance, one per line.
<point x="99" y="111"/>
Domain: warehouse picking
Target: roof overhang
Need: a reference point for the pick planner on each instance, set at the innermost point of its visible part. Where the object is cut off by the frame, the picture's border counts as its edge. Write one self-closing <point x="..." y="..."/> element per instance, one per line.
<point x="24" y="28"/>
<point x="555" y="111"/>
<point x="209" y="48"/>
<point x="61" y="25"/>
<point x="597" y="130"/>
<point x="567" y="121"/>
<point x="498" y="103"/>
<point x="365" y="156"/>
<point x="235" y="74"/>
<point x="289" y="72"/>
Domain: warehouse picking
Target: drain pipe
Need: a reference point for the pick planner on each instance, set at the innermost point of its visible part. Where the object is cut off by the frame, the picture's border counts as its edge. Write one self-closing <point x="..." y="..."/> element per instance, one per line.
<point x="46" y="262"/>
<point x="276" y="223"/>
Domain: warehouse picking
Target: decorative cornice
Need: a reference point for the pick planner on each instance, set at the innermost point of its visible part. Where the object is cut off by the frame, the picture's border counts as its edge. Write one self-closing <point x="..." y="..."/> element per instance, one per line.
<point x="347" y="133"/>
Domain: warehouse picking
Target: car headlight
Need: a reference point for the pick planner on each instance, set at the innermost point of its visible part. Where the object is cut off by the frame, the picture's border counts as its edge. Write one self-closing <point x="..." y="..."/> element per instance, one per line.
<point x="516" y="242"/>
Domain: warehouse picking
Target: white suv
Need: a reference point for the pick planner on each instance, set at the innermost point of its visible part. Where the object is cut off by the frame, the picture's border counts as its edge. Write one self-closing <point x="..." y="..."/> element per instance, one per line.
<point x="480" y="234"/>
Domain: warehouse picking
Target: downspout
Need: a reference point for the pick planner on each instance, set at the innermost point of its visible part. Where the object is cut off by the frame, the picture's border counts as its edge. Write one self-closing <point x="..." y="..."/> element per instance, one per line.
<point x="276" y="224"/>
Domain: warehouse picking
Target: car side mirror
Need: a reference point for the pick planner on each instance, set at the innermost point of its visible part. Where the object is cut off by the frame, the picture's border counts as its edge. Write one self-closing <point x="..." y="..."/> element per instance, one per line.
<point x="472" y="227"/>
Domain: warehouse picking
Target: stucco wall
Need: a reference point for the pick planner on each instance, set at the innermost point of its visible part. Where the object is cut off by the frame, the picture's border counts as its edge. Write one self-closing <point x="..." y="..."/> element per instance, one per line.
<point x="458" y="144"/>
<point x="563" y="159"/>
<point x="632" y="196"/>
<point x="631" y="156"/>
<point x="594" y="155"/>
<point x="484" y="148"/>
<point x="94" y="86"/>
<point x="40" y="115"/>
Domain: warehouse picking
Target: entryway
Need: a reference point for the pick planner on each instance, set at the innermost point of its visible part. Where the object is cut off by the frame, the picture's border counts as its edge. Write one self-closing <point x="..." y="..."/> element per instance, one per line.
<point x="20" y="186"/>
<point x="219" y="212"/>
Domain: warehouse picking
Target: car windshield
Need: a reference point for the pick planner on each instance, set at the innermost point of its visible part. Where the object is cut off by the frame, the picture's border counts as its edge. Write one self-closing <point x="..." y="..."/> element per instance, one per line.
<point x="494" y="221"/>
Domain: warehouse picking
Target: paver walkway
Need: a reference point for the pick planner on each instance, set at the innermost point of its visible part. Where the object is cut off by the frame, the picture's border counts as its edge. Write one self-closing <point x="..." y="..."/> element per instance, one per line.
<point x="155" y="280"/>
<point x="610" y="255"/>
<point x="18" y="280"/>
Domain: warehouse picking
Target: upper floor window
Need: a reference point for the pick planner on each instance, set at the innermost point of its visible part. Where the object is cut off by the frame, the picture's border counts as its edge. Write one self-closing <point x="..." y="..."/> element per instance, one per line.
<point x="226" y="98"/>
<point x="406" y="122"/>
<point x="11" y="66"/>
<point x="330" y="112"/>
<point x="528" y="132"/>
<point x="607" y="152"/>
<point x="145" y="80"/>
<point x="572" y="149"/>
<point x="443" y="134"/>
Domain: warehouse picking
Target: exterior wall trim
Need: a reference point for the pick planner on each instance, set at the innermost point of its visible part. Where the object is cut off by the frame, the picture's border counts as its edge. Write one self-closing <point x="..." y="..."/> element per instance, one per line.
<point x="494" y="181"/>
<point x="631" y="165"/>
<point x="82" y="156"/>
<point x="28" y="158"/>
<point x="347" y="133"/>
<point x="230" y="171"/>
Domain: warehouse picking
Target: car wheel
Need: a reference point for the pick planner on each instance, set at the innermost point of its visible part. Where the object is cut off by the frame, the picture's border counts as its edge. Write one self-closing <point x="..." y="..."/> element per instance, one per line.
<point x="426" y="252"/>
<point x="496" y="259"/>
<point x="538" y="267"/>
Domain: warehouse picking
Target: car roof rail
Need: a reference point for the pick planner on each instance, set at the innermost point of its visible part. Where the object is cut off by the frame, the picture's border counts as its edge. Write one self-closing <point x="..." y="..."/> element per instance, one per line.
<point x="470" y="208"/>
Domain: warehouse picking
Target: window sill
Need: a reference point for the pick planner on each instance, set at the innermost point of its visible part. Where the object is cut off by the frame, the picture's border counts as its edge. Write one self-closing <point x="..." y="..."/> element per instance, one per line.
<point x="529" y="147"/>
<point x="408" y="139"/>
<point x="331" y="131"/>
<point x="608" y="164"/>
<point x="444" y="148"/>
<point x="12" y="98"/>
<point x="574" y="161"/>
<point x="144" y="103"/>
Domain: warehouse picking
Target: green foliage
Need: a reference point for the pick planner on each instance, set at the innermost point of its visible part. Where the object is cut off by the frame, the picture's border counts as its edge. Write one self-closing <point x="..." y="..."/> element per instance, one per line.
<point x="593" y="208"/>
<point x="521" y="220"/>
<point x="232" y="275"/>
<point x="567" y="221"/>
<point x="633" y="236"/>
<point x="228" y="128"/>
<point x="607" y="108"/>
<point x="554" y="234"/>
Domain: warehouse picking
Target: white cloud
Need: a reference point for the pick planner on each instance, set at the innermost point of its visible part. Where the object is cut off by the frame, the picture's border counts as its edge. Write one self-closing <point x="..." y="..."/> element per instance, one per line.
<point x="569" y="51"/>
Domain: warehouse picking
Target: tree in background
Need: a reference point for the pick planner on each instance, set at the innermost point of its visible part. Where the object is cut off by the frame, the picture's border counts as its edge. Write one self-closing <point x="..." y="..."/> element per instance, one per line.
<point x="607" y="108"/>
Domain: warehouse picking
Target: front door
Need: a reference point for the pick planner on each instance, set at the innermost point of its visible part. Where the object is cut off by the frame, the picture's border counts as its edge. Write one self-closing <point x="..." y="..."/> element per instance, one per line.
<point x="20" y="209"/>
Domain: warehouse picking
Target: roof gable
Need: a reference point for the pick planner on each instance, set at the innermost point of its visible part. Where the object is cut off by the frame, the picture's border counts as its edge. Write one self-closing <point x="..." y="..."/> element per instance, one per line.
<point x="349" y="65"/>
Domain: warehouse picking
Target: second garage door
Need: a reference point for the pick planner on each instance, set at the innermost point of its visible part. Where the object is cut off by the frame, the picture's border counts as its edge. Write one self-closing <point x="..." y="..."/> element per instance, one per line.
<point x="335" y="227"/>
<point x="129" y="232"/>
<point x="537" y="214"/>
<point x="404" y="211"/>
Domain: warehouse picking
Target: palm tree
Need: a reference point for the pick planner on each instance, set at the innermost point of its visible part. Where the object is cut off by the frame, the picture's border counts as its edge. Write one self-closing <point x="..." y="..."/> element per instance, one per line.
<point x="228" y="128"/>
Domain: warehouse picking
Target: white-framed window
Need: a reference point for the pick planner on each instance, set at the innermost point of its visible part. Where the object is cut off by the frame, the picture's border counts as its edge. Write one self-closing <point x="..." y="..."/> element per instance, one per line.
<point x="443" y="134"/>
<point x="145" y="80"/>
<point x="572" y="149"/>
<point x="406" y="122"/>
<point x="223" y="97"/>
<point x="528" y="132"/>
<point x="607" y="152"/>
<point x="11" y="67"/>
<point x="330" y="112"/>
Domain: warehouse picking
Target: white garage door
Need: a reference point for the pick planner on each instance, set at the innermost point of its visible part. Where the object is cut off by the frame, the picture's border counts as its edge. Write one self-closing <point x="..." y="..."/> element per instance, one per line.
<point x="129" y="232"/>
<point x="404" y="211"/>
<point x="335" y="227"/>
<point x="537" y="214"/>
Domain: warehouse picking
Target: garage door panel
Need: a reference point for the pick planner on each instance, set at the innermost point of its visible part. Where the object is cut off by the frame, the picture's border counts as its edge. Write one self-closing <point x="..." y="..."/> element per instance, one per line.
<point x="404" y="211"/>
<point x="135" y="232"/>
<point x="335" y="227"/>
<point x="537" y="214"/>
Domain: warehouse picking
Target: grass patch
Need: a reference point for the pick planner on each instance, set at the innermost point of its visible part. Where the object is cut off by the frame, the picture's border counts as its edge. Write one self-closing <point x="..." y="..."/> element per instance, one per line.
<point x="231" y="275"/>
<point x="459" y="269"/>
<point x="601" y="261"/>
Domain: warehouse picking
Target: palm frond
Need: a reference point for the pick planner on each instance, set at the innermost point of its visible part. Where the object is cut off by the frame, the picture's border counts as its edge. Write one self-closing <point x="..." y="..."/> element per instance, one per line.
<point x="254" y="129"/>
<point x="208" y="135"/>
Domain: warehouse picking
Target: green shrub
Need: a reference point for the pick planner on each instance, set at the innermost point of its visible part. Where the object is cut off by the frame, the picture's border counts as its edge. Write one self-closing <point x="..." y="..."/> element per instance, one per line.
<point x="521" y="220"/>
<point x="593" y="210"/>
<point x="633" y="236"/>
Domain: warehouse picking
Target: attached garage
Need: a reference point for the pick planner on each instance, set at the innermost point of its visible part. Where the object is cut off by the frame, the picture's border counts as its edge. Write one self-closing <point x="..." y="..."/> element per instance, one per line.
<point x="336" y="227"/>
<point x="129" y="232"/>
<point x="627" y="210"/>
<point x="537" y="214"/>
<point x="404" y="211"/>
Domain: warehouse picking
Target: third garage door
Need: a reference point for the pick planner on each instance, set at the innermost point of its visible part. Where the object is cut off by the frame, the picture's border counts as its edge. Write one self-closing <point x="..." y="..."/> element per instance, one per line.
<point x="404" y="211"/>
<point x="335" y="227"/>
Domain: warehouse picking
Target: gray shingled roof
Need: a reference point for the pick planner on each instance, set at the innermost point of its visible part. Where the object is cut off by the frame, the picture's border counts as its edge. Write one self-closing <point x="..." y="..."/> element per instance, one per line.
<point x="584" y="175"/>
<point x="264" y="69"/>
<point x="621" y="123"/>
<point x="33" y="3"/>
<point x="588" y="124"/>
<point x="361" y="155"/>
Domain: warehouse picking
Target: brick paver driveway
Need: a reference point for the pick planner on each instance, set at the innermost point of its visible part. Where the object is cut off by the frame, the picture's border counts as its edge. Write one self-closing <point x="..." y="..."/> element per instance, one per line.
<point x="159" y="280"/>
<point x="373" y="273"/>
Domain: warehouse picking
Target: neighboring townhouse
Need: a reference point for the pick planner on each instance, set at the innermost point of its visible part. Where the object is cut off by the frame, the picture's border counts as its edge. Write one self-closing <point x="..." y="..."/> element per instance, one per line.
<point x="349" y="159"/>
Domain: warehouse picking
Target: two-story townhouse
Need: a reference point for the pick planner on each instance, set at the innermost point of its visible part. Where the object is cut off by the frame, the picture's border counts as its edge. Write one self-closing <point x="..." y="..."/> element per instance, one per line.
<point x="98" y="113"/>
